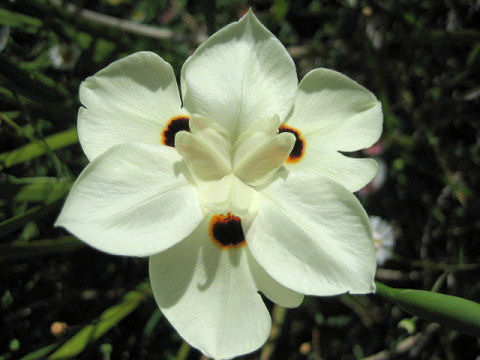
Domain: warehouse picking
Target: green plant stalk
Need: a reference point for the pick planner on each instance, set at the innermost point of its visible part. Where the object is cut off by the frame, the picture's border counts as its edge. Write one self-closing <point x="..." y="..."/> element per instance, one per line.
<point x="35" y="149"/>
<point x="451" y="311"/>
<point x="109" y="318"/>
<point x="33" y="213"/>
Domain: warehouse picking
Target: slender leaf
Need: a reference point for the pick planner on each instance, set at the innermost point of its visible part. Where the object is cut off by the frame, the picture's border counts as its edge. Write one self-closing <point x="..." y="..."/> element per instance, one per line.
<point x="451" y="311"/>
<point x="33" y="85"/>
<point x="108" y="319"/>
<point x="40" y="353"/>
<point x="33" y="249"/>
<point x="16" y="20"/>
<point x="36" y="149"/>
<point x="33" y="213"/>
<point x="34" y="189"/>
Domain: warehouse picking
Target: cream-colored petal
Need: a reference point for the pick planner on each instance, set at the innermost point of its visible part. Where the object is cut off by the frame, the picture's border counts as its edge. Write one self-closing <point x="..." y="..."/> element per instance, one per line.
<point x="271" y="288"/>
<point x="131" y="100"/>
<point x="209" y="296"/>
<point x="134" y="199"/>
<point x="239" y="75"/>
<point x="264" y="159"/>
<point x="353" y="173"/>
<point x="313" y="236"/>
<point x="341" y="113"/>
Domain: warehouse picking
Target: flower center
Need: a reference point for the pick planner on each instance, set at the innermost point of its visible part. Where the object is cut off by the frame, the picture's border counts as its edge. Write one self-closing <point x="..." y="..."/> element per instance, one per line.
<point x="226" y="231"/>
<point x="176" y="124"/>
<point x="254" y="155"/>
<point x="299" y="148"/>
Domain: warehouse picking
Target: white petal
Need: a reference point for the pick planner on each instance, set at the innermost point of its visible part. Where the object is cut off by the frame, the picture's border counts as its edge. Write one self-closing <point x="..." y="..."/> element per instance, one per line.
<point x="229" y="194"/>
<point x="209" y="296"/>
<point x="341" y="113"/>
<point x="134" y="199"/>
<point x="202" y="156"/>
<point x="264" y="159"/>
<point x="353" y="173"/>
<point x="239" y="75"/>
<point x="272" y="289"/>
<point x="313" y="236"/>
<point x="130" y="100"/>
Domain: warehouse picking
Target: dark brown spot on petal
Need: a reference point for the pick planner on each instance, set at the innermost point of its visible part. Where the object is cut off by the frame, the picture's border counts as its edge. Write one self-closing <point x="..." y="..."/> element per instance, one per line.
<point x="299" y="148"/>
<point x="176" y="124"/>
<point x="226" y="231"/>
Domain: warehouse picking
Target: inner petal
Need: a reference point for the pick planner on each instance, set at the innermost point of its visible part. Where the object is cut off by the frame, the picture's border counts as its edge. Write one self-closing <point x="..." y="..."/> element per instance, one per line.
<point x="261" y="151"/>
<point x="205" y="150"/>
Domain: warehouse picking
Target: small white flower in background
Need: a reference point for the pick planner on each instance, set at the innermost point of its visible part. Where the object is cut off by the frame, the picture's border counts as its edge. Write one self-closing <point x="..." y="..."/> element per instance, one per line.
<point x="242" y="189"/>
<point x="384" y="237"/>
<point x="63" y="56"/>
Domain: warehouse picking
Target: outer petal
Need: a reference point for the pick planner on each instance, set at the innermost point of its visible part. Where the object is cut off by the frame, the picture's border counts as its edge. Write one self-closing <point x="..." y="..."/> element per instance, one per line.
<point x="134" y="199"/>
<point x="334" y="113"/>
<point x="209" y="296"/>
<point x="272" y="289"/>
<point x="353" y="173"/>
<point x="239" y="75"/>
<point x="337" y="111"/>
<point x="313" y="236"/>
<point x="130" y="100"/>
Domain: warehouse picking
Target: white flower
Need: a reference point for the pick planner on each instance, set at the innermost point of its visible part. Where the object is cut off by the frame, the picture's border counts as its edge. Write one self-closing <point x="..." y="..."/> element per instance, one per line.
<point x="240" y="190"/>
<point x="384" y="237"/>
<point x="63" y="56"/>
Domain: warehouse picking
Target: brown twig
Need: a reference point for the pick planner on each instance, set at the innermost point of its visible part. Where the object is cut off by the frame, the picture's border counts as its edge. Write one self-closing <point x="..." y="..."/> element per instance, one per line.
<point x="405" y="345"/>
<point x="153" y="32"/>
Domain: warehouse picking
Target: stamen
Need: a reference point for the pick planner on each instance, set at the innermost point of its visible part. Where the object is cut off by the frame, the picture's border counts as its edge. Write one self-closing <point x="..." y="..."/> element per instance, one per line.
<point x="226" y="231"/>
<point x="176" y="124"/>
<point x="299" y="148"/>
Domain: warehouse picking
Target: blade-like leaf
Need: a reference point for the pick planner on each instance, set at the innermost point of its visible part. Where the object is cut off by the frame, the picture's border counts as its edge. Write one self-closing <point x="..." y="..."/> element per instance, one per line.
<point x="34" y="189"/>
<point x="33" y="249"/>
<point x="35" y="212"/>
<point x="36" y="149"/>
<point x="107" y="320"/>
<point x="40" y="353"/>
<point x="451" y="311"/>
<point x="16" y="20"/>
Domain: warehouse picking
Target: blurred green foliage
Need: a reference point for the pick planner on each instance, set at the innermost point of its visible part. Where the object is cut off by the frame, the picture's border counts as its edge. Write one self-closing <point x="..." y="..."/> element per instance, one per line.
<point x="421" y="59"/>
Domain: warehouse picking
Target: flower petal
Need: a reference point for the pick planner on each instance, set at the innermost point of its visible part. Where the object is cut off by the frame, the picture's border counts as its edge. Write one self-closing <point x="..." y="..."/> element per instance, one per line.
<point x="130" y="100"/>
<point x="272" y="289"/>
<point x="353" y="173"/>
<point x="205" y="150"/>
<point x="264" y="159"/>
<point x="209" y="296"/>
<point x="313" y="236"/>
<point x="239" y="75"/>
<point x="342" y="114"/>
<point x="134" y="199"/>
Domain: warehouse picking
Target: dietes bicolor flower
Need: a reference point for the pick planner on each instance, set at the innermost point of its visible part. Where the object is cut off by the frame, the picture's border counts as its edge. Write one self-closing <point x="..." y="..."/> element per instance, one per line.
<point x="232" y="188"/>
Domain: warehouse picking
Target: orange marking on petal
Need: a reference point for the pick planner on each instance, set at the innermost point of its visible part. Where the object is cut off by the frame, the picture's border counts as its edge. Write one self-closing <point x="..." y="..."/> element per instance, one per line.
<point x="174" y="125"/>
<point x="226" y="231"/>
<point x="299" y="148"/>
